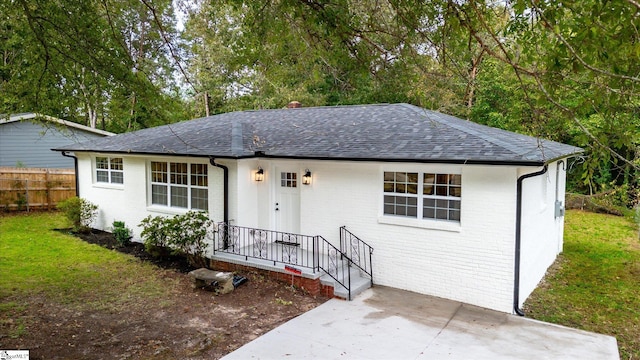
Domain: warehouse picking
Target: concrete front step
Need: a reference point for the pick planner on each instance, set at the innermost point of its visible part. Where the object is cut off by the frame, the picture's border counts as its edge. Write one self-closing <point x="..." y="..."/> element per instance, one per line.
<point x="359" y="283"/>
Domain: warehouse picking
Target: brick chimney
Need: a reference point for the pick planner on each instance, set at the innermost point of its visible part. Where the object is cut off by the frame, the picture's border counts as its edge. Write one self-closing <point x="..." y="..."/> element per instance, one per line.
<point x="294" y="104"/>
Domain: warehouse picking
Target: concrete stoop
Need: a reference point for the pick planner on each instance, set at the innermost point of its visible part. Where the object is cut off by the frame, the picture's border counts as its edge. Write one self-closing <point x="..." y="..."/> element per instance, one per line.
<point x="359" y="283"/>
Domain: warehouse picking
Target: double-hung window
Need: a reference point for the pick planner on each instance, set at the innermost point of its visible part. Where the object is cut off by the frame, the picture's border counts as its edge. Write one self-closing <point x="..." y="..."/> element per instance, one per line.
<point x="441" y="196"/>
<point x="422" y="195"/>
<point x="109" y="170"/>
<point x="401" y="194"/>
<point x="179" y="185"/>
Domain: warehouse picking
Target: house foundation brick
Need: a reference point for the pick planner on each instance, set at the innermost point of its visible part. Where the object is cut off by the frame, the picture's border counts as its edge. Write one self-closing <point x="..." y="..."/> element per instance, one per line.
<point x="311" y="286"/>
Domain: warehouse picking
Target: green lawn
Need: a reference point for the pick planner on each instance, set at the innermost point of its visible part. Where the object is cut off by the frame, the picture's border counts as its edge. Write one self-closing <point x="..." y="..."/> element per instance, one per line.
<point x="36" y="261"/>
<point x="595" y="283"/>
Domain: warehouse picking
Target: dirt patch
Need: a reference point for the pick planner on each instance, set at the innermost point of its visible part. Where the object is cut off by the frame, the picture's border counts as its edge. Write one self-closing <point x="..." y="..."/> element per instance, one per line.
<point x="196" y="325"/>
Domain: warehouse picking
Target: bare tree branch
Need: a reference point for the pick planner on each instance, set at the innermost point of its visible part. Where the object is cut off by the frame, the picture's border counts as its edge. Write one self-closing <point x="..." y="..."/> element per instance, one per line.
<point x="169" y="45"/>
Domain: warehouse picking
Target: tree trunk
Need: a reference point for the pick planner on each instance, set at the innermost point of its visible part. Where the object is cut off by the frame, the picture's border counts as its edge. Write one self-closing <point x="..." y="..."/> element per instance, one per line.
<point x="132" y="112"/>
<point x="206" y="103"/>
<point x="473" y="74"/>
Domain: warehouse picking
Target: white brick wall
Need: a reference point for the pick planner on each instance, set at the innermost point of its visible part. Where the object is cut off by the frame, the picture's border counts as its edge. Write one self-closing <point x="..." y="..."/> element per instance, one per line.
<point x="471" y="262"/>
<point x="130" y="202"/>
<point x="541" y="231"/>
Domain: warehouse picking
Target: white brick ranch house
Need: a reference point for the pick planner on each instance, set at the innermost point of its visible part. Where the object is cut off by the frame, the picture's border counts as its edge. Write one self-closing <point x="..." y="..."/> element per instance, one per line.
<point x="452" y="208"/>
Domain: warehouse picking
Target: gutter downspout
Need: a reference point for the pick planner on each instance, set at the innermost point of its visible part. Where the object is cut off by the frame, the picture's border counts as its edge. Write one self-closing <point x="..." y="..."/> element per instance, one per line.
<point x="559" y="205"/>
<point x="516" y="272"/>
<point x="75" y="166"/>
<point x="225" y="170"/>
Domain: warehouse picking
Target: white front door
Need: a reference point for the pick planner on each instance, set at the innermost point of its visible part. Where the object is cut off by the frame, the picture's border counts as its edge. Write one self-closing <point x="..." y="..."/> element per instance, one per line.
<point x="287" y="206"/>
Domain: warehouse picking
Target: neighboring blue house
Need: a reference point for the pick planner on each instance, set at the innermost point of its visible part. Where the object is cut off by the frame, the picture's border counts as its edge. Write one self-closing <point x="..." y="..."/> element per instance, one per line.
<point x="26" y="140"/>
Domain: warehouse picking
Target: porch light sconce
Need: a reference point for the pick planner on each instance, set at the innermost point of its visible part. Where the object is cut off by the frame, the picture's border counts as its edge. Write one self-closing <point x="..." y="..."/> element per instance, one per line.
<point x="259" y="175"/>
<point x="306" y="178"/>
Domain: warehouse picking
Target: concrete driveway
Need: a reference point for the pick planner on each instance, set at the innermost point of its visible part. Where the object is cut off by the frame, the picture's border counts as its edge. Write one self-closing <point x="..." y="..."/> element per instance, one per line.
<point x="386" y="323"/>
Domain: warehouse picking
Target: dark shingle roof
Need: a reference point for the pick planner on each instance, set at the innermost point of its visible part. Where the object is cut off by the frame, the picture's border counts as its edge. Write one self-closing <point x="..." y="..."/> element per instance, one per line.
<point x="384" y="132"/>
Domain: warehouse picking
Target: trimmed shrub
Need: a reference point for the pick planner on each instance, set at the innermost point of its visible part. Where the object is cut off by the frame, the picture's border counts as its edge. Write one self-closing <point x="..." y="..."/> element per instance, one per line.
<point x="184" y="234"/>
<point x="80" y="212"/>
<point x="121" y="232"/>
<point x="154" y="234"/>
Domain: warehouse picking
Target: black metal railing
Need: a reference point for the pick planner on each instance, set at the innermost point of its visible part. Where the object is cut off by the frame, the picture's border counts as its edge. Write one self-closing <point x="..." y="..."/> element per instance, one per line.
<point x="274" y="246"/>
<point x="301" y="251"/>
<point x="358" y="251"/>
<point x="336" y="264"/>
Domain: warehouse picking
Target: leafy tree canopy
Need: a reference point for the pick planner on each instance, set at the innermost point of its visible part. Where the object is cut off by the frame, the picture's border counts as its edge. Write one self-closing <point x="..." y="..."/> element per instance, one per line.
<point x="567" y="70"/>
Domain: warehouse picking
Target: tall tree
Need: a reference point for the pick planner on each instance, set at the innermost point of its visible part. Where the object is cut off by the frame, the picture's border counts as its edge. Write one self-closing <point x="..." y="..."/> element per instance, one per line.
<point x="77" y="59"/>
<point x="566" y="69"/>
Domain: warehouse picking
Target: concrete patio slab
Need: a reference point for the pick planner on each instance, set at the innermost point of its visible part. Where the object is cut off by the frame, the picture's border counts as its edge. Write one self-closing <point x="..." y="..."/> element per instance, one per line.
<point x="386" y="323"/>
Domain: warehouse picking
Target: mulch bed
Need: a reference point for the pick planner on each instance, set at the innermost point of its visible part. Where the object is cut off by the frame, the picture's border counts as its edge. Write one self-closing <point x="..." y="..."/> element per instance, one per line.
<point x="107" y="240"/>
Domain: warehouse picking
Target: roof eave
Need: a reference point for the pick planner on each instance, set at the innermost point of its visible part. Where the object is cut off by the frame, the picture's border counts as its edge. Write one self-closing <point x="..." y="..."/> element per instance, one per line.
<point x="36" y="116"/>
<point x="329" y="158"/>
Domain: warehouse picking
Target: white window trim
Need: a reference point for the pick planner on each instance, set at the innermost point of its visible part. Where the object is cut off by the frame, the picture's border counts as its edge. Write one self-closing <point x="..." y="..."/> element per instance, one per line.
<point x="419" y="222"/>
<point x="109" y="184"/>
<point x="168" y="209"/>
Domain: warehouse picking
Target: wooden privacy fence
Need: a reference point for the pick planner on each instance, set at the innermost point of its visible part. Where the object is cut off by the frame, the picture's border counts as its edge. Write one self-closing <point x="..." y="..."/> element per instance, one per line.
<point x="25" y="189"/>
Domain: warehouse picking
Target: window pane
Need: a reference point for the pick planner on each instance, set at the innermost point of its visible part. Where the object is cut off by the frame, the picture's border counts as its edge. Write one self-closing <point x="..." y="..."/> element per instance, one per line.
<point x="389" y="176"/>
<point x="442" y="179"/>
<point x="442" y="203"/>
<point x="102" y="176"/>
<point x="159" y="194"/>
<point x="430" y="202"/>
<point x="179" y="197"/>
<point x="429" y="178"/>
<point x="412" y="188"/>
<point x="412" y="211"/>
<point x="412" y="201"/>
<point x="455" y="179"/>
<point x="454" y="215"/>
<point x="388" y="187"/>
<point x="389" y="199"/>
<point x="179" y="173"/>
<point x="199" y="199"/>
<point x="412" y="178"/>
<point x="454" y="204"/>
<point x="401" y="210"/>
<point x="401" y="177"/>
<point x="116" y="163"/>
<point x="199" y="174"/>
<point x="455" y="191"/>
<point x="441" y="214"/>
<point x="102" y="163"/>
<point x="401" y="188"/>
<point x="428" y="189"/>
<point x="441" y="190"/>
<point x="389" y="209"/>
<point x="117" y="177"/>
<point x="428" y="213"/>
<point x="159" y="172"/>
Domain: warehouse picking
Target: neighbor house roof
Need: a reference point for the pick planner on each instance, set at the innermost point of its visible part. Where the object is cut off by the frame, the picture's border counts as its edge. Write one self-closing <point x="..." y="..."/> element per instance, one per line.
<point x="34" y="116"/>
<point x="380" y="132"/>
